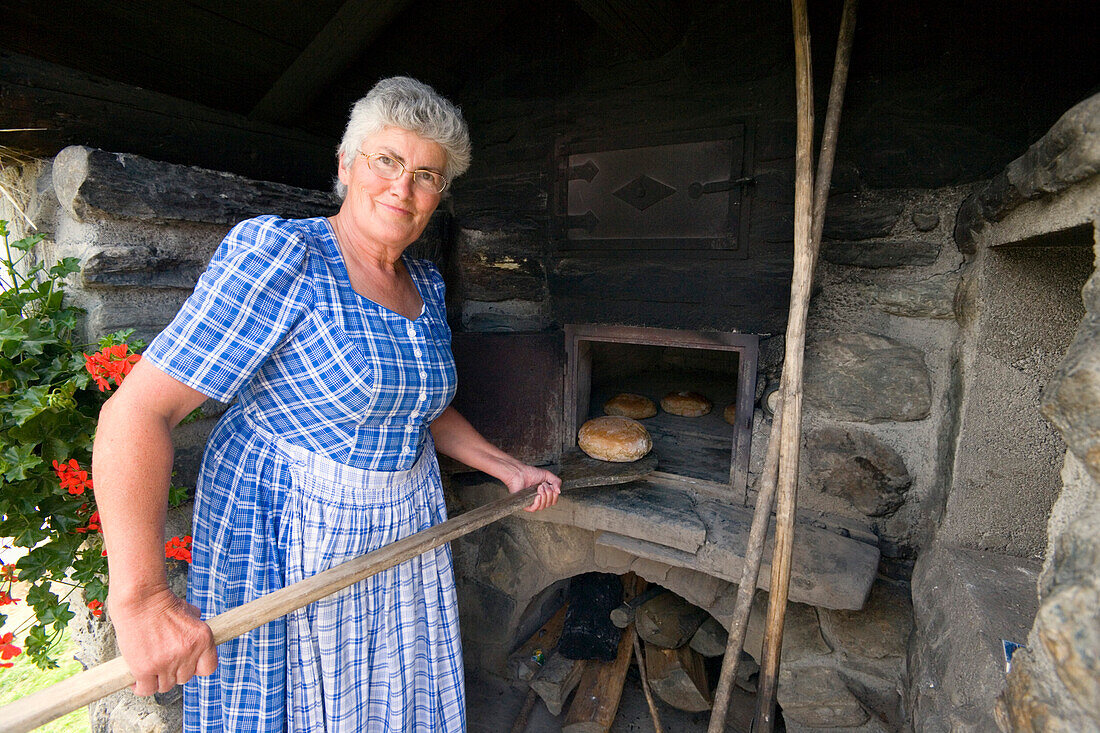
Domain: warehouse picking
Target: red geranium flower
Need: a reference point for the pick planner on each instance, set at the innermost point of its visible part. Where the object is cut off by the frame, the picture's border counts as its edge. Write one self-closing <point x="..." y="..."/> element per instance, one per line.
<point x="8" y="650"/>
<point x="5" y="598"/>
<point x="110" y="364"/>
<point x="97" y="608"/>
<point x="72" y="477"/>
<point x="93" y="525"/>
<point x="178" y="548"/>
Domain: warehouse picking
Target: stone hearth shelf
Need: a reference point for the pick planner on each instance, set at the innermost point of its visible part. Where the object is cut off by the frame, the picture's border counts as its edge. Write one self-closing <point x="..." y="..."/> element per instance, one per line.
<point x="678" y="523"/>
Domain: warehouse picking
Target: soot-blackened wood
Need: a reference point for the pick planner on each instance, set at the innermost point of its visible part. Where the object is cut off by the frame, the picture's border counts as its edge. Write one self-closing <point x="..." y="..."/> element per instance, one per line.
<point x="509" y="202"/>
<point x="649" y="28"/>
<point x="510" y="390"/>
<point x="588" y="632"/>
<point x="601" y="688"/>
<point x="37" y="94"/>
<point x="335" y="47"/>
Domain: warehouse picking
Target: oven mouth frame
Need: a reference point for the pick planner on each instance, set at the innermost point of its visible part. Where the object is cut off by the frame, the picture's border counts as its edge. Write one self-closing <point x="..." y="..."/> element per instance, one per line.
<point x="578" y="377"/>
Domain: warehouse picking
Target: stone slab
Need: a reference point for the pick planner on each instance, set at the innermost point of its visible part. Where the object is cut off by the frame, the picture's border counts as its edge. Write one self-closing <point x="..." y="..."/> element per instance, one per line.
<point x="964" y="603"/>
<point x="893" y="253"/>
<point x="850" y="216"/>
<point x="1067" y="154"/>
<point x="826" y="569"/>
<point x="866" y="377"/>
<point x="634" y="510"/>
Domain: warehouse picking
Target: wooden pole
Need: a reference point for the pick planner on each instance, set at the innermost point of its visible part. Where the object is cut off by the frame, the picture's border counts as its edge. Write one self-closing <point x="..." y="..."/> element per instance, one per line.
<point x="806" y="242"/>
<point x="750" y="573"/>
<point x="81" y="689"/>
<point x="757" y="534"/>
<point x="645" y="683"/>
<point x="520" y="724"/>
<point x="792" y="373"/>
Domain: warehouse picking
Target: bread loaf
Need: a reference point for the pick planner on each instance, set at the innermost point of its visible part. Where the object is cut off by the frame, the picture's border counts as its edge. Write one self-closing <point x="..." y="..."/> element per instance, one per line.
<point x="616" y="439"/>
<point x="685" y="404"/>
<point x="730" y="413"/>
<point x="634" y="406"/>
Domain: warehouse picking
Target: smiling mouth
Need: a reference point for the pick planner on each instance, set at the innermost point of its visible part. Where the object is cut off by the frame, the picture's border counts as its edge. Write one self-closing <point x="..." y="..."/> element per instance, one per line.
<point x="396" y="209"/>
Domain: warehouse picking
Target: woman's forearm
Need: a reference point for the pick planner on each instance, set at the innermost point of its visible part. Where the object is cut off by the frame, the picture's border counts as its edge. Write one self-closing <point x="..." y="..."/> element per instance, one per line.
<point x="132" y="468"/>
<point x="454" y="436"/>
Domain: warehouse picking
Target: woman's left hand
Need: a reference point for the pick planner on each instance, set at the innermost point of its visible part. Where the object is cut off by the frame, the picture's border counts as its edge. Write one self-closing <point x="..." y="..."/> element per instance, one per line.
<point x="549" y="485"/>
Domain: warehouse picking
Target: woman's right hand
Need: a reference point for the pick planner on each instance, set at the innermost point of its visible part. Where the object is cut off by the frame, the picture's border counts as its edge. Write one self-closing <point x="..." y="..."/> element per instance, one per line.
<point x="163" y="640"/>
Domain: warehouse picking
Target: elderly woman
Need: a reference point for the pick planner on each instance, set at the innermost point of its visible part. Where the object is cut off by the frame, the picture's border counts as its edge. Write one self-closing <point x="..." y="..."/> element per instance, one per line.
<point x="336" y="347"/>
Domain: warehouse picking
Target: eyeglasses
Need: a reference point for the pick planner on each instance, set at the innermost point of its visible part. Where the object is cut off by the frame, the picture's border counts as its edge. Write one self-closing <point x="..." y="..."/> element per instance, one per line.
<point x="388" y="167"/>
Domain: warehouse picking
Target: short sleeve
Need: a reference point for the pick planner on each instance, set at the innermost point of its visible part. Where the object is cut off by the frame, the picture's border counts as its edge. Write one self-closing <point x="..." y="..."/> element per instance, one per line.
<point x="253" y="293"/>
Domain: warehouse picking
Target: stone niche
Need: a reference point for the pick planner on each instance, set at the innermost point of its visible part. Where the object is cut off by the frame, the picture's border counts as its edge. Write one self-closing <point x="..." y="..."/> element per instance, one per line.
<point x="1014" y="556"/>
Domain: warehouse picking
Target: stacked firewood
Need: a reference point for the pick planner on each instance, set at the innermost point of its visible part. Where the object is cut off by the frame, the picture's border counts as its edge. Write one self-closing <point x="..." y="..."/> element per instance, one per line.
<point x="588" y="645"/>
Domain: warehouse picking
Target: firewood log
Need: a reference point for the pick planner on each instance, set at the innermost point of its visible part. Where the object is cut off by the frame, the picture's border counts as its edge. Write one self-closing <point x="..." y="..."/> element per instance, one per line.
<point x="557" y="678"/>
<point x="522" y="663"/>
<point x="710" y="638"/>
<point x="677" y="677"/>
<point x="623" y="616"/>
<point x="668" y="620"/>
<point x="596" y="702"/>
<point x="601" y="687"/>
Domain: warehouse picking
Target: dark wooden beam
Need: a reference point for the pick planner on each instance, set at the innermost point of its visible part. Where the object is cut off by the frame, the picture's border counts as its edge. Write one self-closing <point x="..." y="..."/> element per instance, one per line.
<point x="78" y="108"/>
<point x="649" y="28"/>
<point x="343" y="39"/>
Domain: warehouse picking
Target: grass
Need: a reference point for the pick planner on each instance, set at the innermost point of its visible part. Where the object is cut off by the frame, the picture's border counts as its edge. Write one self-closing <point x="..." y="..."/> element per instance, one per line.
<point x="23" y="678"/>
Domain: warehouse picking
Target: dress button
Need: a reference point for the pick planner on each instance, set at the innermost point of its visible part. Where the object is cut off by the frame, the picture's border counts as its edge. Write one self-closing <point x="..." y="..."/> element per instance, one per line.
<point x="423" y="375"/>
<point x="423" y="396"/>
<point x="418" y="352"/>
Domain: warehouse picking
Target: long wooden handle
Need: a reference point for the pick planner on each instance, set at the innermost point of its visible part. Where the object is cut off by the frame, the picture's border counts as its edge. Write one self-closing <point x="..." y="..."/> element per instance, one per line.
<point x="87" y="687"/>
<point x="791" y="432"/>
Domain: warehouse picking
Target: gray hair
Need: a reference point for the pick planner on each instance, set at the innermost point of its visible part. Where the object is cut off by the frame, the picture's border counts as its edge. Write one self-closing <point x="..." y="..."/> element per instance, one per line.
<point x="410" y="105"/>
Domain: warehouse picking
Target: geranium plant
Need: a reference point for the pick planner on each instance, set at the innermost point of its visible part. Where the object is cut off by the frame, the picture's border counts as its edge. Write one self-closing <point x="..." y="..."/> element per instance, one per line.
<point x="51" y="390"/>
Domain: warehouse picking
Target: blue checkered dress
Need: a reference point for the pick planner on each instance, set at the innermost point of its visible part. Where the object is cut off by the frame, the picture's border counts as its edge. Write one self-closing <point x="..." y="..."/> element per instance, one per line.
<point x="324" y="456"/>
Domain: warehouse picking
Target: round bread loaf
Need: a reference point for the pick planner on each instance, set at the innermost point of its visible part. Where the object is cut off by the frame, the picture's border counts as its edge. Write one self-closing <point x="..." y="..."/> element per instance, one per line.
<point x="730" y="413"/>
<point x="630" y="405"/>
<point x="616" y="439"/>
<point x="685" y="404"/>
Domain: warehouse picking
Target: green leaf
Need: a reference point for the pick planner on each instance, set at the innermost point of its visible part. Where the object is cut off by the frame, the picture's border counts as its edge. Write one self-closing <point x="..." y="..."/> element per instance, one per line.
<point x="177" y="495"/>
<point x="37" y="646"/>
<point x="66" y="266"/>
<point x="27" y="243"/>
<point x="17" y="460"/>
<point x="35" y="400"/>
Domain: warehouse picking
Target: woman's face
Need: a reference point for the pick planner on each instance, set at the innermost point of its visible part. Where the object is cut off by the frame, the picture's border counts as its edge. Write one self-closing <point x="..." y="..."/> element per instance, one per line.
<point x="391" y="213"/>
